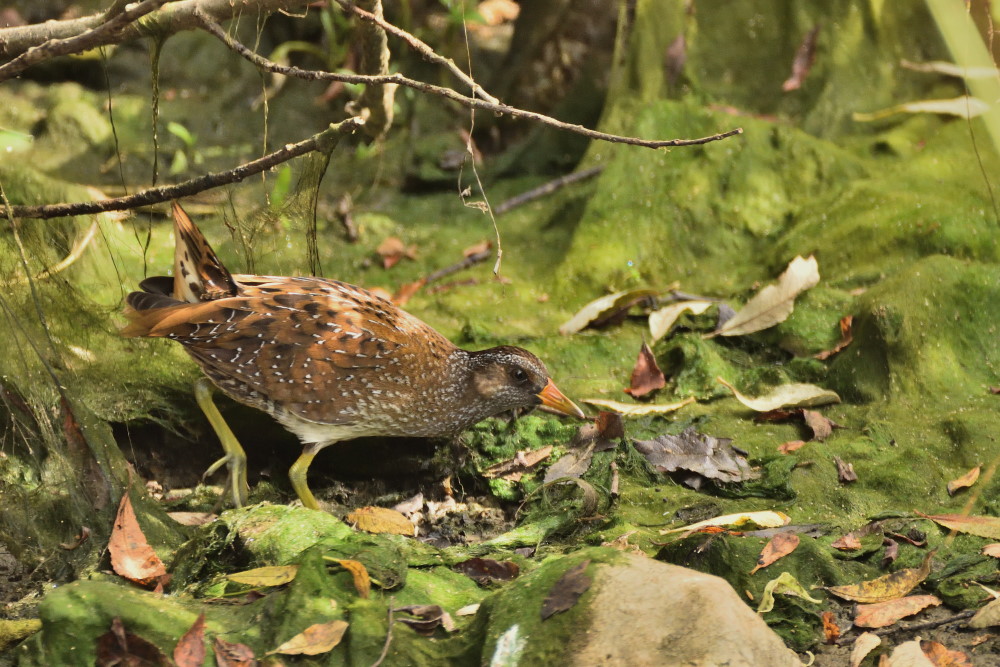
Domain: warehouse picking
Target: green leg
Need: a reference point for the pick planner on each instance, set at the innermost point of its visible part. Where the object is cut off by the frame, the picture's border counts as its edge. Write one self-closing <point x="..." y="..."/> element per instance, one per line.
<point x="297" y="475"/>
<point x="235" y="457"/>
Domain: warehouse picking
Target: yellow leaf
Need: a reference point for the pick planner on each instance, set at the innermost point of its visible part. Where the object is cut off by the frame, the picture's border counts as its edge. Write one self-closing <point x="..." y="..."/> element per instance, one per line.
<point x="362" y="583"/>
<point x="981" y="526"/>
<point x="793" y="395"/>
<point x="661" y="320"/>
<point x="316" y="639"/>
<point x="784" y="583"/>
<point x="381" y="520"/>
<point x="637" y="409"/>
<point x="273" y="575"/>
<point x="742" y="520"/>
<point x="965" y="481"/>
<point x="888" y="587"/>
<point x="774" y="303"/>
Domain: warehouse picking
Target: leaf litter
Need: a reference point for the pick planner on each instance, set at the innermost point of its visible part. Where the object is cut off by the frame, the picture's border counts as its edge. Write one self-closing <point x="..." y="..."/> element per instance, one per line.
<point x="786" y="584"/>
<point x="696" y="457"/>
<point x="646" y="375"/>
<point x="794" y="395"/>
<point x="567" y="590"/>
<point x="887" y="587"/>
<point x="131" y="555"/>
<point x="773" y="304"/>
<point x="314" y="640"/>
<point x="777" y="547"/>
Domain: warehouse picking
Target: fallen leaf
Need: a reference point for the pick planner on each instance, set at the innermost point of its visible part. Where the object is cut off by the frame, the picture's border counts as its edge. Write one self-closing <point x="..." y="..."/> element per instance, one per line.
<point x="362" y="582"/>
<point x="428" y="618"/>
<point x="272" y="575"/>
<point x="661" y="321"/>
<point x="891" y="552"/>
<point x="845" y="471"/>
<point x="763" y="519"/>
<point x="773" y="304"/>
<point x="790" y="446"/>
<point x="992" y="550"/>
<point x="646" y="375"/>
<point x="477" y="249"/>
<point x="486" y="571"/>
<point x="846" y="338"/>
<point x="691" y="452"/>
<point x="604" y="310"/>
<point x="380" y="520"/>
<point x="980" y="639"/>
<point x="786" y="396"/>
<point x="636" y="410"/>
<point x="779" y="546"/>
<point x="621" y="543"/>
<point x="786" y="584"/>
<point x="411" y="505"/>
<point x="515" y="468"/>
<point x="233" y="654"/>
<point x="314" y="640"/>
<point x="887" y="587"/>
<point x="392" y="249"/>
<point x="567" y="590"/>
<point x="882" y="614"/>
<point x="131" y="555"/>
<point x="831" y="631"/>
<point x="849" y="542"/>
<point x="190" y="649"/>
<point x="820" y="425"/>
<point x="987" y="616"/>
<point x="963" y="482"/>
<point x="468" y="610"/>
<point x="907" y="654"/>
<point x="963" y="107"/>
<point x="119" y="647"/>
<point x="804" y="57"/>
<point x="193" y="518"/>
<point x="406" y="291"/>
<point x="981" y="526"/>
<point x="863" y="645"/>
<point x="941" y="656"/>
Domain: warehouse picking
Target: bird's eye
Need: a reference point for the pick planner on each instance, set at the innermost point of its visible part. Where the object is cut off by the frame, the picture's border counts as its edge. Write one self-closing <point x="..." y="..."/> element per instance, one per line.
<point x="520" y="375"/>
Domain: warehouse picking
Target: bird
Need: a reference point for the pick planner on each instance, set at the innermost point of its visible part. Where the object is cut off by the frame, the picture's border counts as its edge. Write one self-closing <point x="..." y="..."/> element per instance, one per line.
<point x="329" y="360"/>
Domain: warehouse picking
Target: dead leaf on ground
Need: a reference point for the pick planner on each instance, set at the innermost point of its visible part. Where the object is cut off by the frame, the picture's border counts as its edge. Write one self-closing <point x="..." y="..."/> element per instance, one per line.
<point x="427" y="618"/>
<point x="831" y="631"/>
<point x="486" y="571"/>
<point x="380" y="520"/>
<point x="78" y="539"/>
<point x="696" y="456"/>
<point x="804" y="57"/>
<point x="846" y="338"/>
<point x="314" y="640"/>
<point x="359" y="573"/>
<point x="848" y="542"/>
<point x="392" y="249"/>
<point x="992" y="550"/>
<point x="637" y="410"/>
<point x="845" y="471"/>
<point x="567" y="590"/>
<point x="963" y="107"/>
<point x="882" y="614"/>
<point x="190" y="650"/>
<point x="779" y="546"/>
<point x="661" y="321"/>
<point x="477" y="249"/>
<point x="773" y="304"/>
<point x="621" y="543"/>
<point x="981" y="526"/>
<point x="891" y="552"/>
<point x="821" y="426"/>
<point x="741" y="520"/>
<point x="907" y="654"/>
<point x="785" y="584"/>
<point x="790" y="446"/>
<point x="940" y="656"/>
<point x="987" y="616"/>
<point x="131" y="555"/>
<point x="272" y="575"/>
<point x="573" y="463"/>
<point x="193" y="518"/>
<point x="863" y="645"/>
<point x="605" y="310"/>
<point x="406" y="291"/>
<point x="514" y="469"/>
<point x="887" y="587"/>
<point x="233" y="654"/>
<point x="646" y="375"/>
<point x="120" y="647"/>
<point x="793" y="395"/>
<point x="964" y="482"/>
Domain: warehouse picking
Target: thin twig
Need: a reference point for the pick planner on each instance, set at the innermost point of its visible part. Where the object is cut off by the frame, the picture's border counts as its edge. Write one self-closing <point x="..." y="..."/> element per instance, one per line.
<point x="150" y="196"/>
<point x="78" y="43"/>
<point x="466" y="101"/>
<point x="388" y="636"/>
<point x="547" y="188"/>
<point x="914" y="627"/>
<point x="471" y="260"/>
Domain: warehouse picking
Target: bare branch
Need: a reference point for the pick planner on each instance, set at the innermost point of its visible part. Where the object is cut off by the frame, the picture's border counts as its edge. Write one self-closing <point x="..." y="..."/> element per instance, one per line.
<point x="466" y="101"/>
<point x="322" y="141"/>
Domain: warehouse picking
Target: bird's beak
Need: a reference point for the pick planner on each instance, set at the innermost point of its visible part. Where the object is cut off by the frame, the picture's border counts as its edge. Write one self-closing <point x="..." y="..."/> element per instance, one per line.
<point x="553" y="400"/>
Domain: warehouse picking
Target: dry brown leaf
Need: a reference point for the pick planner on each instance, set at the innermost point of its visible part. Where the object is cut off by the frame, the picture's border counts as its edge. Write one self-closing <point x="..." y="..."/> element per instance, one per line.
<point x="820" y="425"/>
<point x="696" y="457"/>
<point x="406" y="291"/>
<point x="120" y="647"/>
<point x="803" y="62"/>
<point x="567" y="590"/>
<point x="515" y="468"/>
<point x="392" y="249"/>
<point x="881" y="614"/>
<point x="477" y="248"/>
<point x="790" y="446"/>
<point x="888" y="587"/>
<point x="636" y="410"/>
<point x="846" y="338"/>
<point x="741" y="521"/>
<point x="131" y="555"/>
<point x="773" y="304"/>
<point x="314" y="640"/>
<point x="793" y="395"/>
<point x="964" y="482"/>
<point x="233" y="654"/>
<point x="981" y="526"/>
<point x="987" y="616"/>
<point x="362" y="582"/>
<point x="780" y="545"/>
<point x="380" y="520"/>
<point x="660" y="321"/>
<point x="428" y="618"/>
<point x="190" y="650"/>
<point x="907" y="654"/>
<point x="863" y="645"/>
<point x="992" y="550"/>
<point x="605" y="309"/>
<point x="646" y="375"/>
<point x="272" y="575"/>
<point x="941" y="656"/>
<point x="193" y="518"/>
<point x="831" y="631"/>
<point x="845" y="471"/>
<point x="486" y="571"/>
<point x="849" y="542"/>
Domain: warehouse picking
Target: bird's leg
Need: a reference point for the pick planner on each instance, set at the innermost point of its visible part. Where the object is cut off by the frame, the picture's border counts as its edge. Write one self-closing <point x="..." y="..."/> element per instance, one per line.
<point x="297" y="475"/>
<point x="235" y="458"/>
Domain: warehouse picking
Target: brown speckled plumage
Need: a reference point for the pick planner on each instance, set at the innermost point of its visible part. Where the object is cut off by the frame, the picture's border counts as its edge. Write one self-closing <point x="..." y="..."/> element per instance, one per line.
<point x="329" y="360"/>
